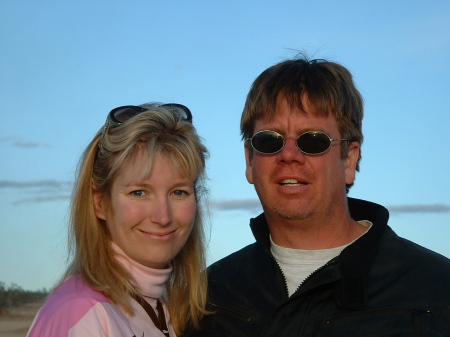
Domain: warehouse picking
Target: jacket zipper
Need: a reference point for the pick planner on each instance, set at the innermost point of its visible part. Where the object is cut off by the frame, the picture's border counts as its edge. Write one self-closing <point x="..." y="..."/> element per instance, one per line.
<point x="332" y="261"/>
<point x="281" y="271"/>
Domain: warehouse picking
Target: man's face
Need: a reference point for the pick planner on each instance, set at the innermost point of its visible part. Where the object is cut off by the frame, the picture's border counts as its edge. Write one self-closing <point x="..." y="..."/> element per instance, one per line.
<point x="293" y="185"/>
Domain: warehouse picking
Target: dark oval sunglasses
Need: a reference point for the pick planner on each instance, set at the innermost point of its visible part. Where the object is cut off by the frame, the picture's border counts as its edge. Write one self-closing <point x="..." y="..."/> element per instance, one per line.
<point x="122" y="114"/>
<point x="310" y="142"/>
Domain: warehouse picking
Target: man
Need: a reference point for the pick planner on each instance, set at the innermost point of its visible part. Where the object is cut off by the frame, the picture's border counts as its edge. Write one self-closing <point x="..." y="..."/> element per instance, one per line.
<point x="323" y="264"/>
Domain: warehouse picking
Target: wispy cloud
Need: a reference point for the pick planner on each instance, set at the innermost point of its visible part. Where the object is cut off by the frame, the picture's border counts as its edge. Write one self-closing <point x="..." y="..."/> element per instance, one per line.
<point x="41" y="199"/>
<point x="252" y="204"/>
<point x="436" y="208"/>
<point x="19" y="142"/>
<point x="246" y="204"/>
<point x="43" y="190"/>
<point x="34" y="184"/>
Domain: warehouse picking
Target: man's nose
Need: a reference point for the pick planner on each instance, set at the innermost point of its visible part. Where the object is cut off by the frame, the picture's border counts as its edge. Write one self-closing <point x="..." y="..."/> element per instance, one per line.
<point x="290" y="152"/>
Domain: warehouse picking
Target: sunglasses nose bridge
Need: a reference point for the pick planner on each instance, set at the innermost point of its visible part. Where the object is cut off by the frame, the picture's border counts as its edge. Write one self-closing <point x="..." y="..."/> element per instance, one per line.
<point x="295" y="140"/>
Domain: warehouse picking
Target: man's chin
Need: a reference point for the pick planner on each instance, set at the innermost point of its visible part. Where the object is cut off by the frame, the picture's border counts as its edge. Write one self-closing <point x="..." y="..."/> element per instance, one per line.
<point x="292" y="215"/>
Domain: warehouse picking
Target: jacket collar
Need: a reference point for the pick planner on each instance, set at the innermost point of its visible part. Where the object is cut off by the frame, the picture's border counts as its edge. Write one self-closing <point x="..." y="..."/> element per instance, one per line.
<point x="356" y="260"/>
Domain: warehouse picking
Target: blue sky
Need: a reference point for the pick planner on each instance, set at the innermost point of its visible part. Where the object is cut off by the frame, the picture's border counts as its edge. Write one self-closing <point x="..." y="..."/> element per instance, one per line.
<point x="64" y="65"/>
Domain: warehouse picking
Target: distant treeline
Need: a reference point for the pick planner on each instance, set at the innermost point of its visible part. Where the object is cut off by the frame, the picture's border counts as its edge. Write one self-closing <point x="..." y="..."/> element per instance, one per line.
<point x="14" y="296"/>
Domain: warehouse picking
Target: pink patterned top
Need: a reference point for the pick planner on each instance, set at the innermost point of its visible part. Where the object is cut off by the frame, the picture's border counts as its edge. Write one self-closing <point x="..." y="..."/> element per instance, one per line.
<point x="75" y="310"/>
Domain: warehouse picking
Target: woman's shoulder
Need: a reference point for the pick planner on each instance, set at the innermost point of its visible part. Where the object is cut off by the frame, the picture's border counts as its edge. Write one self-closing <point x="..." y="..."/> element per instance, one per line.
<point x="74" y="289"/>
<point x="72" y="304"/>
<point x="73" y="295"/>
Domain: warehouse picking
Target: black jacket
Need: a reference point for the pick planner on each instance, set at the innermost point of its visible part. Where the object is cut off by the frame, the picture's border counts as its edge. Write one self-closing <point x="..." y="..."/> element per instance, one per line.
<point x="381" y="285"/>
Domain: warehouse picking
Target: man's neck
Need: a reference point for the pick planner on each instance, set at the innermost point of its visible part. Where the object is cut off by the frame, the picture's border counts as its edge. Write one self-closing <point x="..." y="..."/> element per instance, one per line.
<point x="312" y="234"/>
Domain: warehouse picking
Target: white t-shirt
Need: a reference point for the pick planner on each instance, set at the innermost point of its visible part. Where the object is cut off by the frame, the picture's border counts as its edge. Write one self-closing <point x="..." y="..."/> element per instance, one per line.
<point x="298" y="264"/>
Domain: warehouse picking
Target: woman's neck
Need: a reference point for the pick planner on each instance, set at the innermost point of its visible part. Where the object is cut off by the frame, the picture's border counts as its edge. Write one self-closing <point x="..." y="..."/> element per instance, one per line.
<point x="148" y="281"/>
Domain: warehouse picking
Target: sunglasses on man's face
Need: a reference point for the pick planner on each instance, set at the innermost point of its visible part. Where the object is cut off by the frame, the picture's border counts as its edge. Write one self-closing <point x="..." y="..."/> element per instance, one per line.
<point x="310" y="142"/>
<point x="124" y="113"/>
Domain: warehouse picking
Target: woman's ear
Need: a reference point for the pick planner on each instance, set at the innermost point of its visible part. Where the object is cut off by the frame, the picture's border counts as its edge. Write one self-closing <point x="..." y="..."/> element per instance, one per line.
<point x="99" y="205"/>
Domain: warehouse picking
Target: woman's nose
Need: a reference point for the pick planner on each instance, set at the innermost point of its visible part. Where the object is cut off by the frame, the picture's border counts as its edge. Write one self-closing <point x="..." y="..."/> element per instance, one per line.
<point x="160" y="212"/>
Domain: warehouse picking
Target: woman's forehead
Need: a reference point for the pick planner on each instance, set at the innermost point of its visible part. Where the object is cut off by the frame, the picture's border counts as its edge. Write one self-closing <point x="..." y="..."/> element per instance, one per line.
<point x="141" y="162"/>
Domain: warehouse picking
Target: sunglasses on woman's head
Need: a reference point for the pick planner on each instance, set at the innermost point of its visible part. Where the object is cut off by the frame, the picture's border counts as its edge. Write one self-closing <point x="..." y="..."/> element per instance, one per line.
<point x="310" y="142"/>
<point x="124" y="113"/>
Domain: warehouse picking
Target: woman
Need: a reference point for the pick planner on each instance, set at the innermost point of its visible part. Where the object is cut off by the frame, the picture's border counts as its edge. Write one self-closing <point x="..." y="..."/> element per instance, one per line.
<point x="136" y="231"/>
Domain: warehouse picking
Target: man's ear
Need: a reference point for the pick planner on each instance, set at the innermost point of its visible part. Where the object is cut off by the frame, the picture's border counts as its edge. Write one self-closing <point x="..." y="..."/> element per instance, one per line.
<point x="248" y="163"/>
<point x="99" y="205"/>
<point x="351" y="162"/>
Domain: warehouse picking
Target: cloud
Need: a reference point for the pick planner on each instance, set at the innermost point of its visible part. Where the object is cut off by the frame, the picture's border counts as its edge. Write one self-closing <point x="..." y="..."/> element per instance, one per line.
<point x="34" y="184"/>
<point x="248" y="204"/>
<point x="41" y="199"/>
<point x="252" y="204"/>
<point x="23" y="144"/>
<point x="436" y="208"/>
<point x="18" y="142"/>
<point x="43" y="190"/>
<point x="7" y="139"/>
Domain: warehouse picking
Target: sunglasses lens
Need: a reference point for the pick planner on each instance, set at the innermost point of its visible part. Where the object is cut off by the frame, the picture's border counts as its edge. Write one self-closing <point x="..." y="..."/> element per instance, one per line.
<point x="123" y="114"/>
<point x="313" y="142"/>
<point x="181" y="111"/>
<point x="267" y="142"/>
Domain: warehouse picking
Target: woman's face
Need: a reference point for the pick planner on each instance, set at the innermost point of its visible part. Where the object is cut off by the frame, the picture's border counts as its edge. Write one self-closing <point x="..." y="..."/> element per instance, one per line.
<point x="149" y="218"/>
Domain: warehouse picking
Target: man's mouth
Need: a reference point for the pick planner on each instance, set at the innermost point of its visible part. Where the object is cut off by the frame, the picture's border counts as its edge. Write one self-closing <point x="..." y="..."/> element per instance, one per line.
<point x="291" y="182"/>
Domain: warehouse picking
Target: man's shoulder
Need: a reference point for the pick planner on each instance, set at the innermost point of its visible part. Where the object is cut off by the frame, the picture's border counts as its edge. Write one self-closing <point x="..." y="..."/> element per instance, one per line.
<point x="421" y="255"/>
<point x="242" y="277"/>
<point x="405" y="260"/>
<point x="238" y="258"/>
<point x="252" y="261"/>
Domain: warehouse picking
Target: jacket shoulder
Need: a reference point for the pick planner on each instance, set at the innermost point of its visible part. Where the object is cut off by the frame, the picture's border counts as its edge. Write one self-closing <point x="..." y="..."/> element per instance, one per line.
<point x="236" y="260"/>
<point x="414" y="254"/>
<point x="405" y="268"/>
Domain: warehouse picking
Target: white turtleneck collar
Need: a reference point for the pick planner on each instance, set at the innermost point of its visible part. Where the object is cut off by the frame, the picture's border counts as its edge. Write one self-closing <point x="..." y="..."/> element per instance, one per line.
<point x="148" y="281"/>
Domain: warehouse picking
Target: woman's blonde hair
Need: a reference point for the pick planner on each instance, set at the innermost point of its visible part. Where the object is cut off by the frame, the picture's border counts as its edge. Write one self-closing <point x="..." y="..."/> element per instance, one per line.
<point x="157" y="131"/>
